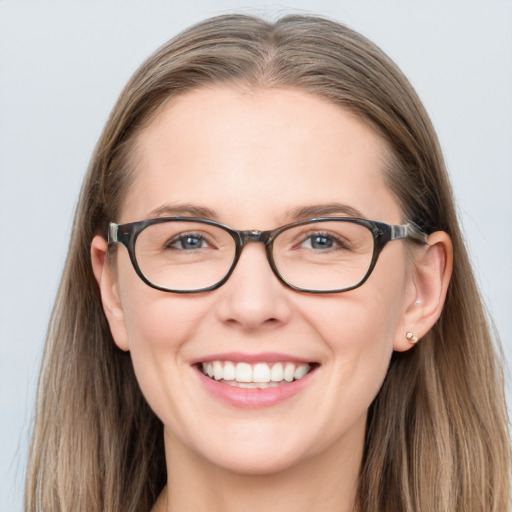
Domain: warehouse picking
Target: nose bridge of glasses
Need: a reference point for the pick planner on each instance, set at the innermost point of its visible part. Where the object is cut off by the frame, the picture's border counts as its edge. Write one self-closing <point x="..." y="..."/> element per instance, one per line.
<point x="254" y="235"/>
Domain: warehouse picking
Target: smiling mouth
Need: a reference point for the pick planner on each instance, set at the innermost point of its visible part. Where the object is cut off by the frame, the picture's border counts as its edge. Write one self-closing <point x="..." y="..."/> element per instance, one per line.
<point x="256" y="376"/>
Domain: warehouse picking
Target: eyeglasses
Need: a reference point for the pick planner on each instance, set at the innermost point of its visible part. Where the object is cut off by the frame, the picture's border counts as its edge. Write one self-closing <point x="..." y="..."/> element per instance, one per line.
<point x="321" y="255"/>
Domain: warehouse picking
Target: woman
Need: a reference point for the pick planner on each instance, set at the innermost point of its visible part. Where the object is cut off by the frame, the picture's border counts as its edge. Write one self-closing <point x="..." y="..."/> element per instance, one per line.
<point x="344" y="366"/>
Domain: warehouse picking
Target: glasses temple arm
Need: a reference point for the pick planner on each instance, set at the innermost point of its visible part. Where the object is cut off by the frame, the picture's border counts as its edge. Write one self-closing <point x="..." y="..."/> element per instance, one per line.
<point x="409" y="230"/>
<point x="112" y="233"/>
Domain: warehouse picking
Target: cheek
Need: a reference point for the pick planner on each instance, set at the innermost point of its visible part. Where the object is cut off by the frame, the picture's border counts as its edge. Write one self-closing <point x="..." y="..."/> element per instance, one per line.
<point x="360" y="344"/>
<point x="154" y="320"/>
<point x="359" y="328"/>
<point x="363" y="320"/>
<point x="159" y="330"/>
<point x="160" y="321"/>
<point x="158" y="327"/>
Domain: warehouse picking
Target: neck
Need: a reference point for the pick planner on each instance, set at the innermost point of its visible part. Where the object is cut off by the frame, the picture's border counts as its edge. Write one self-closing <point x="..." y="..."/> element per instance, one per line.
<point x="326" y="482"/>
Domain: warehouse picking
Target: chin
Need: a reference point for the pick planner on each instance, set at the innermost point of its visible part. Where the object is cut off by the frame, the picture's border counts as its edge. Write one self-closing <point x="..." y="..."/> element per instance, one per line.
<point x="256" y="462"/>
<point x="266" y="450"/>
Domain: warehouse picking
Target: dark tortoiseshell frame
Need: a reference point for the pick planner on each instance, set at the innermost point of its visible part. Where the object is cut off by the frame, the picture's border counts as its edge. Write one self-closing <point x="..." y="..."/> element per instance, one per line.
<point x="382" y="234"/>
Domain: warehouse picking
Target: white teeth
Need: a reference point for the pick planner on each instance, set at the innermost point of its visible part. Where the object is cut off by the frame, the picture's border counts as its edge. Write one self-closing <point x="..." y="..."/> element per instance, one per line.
<point x="229" y="371"/>
<point x="218" y="372"/>
<point x="301" y="371"/>
<point x="260" y="375"/>
<point x="276" y="374"/>
<point x="252" y="385"/>
<point x="289" y="370"/>
<point x="243" y="372"/>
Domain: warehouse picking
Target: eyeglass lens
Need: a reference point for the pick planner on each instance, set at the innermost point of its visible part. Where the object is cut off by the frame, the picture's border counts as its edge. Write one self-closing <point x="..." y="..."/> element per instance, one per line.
<point x="188" y="255"/>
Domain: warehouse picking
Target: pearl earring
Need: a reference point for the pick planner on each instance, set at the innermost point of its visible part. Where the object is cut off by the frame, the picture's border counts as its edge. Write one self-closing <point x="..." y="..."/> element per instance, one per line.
<point x="412" y="339"/>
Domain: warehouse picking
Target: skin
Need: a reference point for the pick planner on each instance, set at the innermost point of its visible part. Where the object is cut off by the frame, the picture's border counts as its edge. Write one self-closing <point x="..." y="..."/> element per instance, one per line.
<point x="252" y="157"/>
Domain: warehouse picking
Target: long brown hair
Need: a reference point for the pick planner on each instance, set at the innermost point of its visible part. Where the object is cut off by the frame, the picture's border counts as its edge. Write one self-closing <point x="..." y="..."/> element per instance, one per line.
<point x="437" y="438"/>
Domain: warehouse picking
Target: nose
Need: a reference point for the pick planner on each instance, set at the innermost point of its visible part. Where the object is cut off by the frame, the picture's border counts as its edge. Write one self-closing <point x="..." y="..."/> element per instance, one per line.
<point x="253" y="297"/>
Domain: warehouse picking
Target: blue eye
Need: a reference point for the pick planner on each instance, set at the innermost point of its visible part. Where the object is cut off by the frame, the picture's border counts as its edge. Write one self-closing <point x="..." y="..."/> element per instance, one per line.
<point x="320" y="242"/>
<point x="324" y="241"/>
<point x="188" y="242"/>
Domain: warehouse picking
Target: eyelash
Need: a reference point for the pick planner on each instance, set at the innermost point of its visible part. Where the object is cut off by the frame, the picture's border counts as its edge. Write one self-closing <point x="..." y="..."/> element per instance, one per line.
<point x="340" y="243"/>
<point x="184" y="236"/>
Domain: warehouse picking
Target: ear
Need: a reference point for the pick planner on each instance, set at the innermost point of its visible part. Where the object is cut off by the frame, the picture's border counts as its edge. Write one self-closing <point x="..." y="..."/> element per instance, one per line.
<point x="107" y="284"/>
<point x="430" y="276"/>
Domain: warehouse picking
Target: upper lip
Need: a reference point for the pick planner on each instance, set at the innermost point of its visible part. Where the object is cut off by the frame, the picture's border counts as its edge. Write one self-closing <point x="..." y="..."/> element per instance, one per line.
<point x="262" y="357"/>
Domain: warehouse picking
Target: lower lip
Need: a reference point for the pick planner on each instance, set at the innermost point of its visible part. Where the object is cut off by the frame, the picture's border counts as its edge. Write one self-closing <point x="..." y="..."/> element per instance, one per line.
<point x="248" y="398"/>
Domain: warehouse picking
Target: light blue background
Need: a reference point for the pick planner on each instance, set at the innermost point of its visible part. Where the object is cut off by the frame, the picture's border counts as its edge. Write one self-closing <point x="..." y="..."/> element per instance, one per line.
<point x="62" y="65"/>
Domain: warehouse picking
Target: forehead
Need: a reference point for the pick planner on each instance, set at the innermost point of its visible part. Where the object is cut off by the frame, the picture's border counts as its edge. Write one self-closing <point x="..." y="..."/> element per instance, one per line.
<point x="257" y="154"/>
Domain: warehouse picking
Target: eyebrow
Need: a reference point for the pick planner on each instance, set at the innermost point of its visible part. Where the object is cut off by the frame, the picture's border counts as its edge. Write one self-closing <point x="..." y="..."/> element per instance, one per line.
<point x="183" y="210"/>
<point x="298" y="213"/>
<point x="323" y="210"/>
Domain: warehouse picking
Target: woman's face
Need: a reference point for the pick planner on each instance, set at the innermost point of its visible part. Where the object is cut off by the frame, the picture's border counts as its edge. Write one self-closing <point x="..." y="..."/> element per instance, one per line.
<point x="259" y="160"/>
